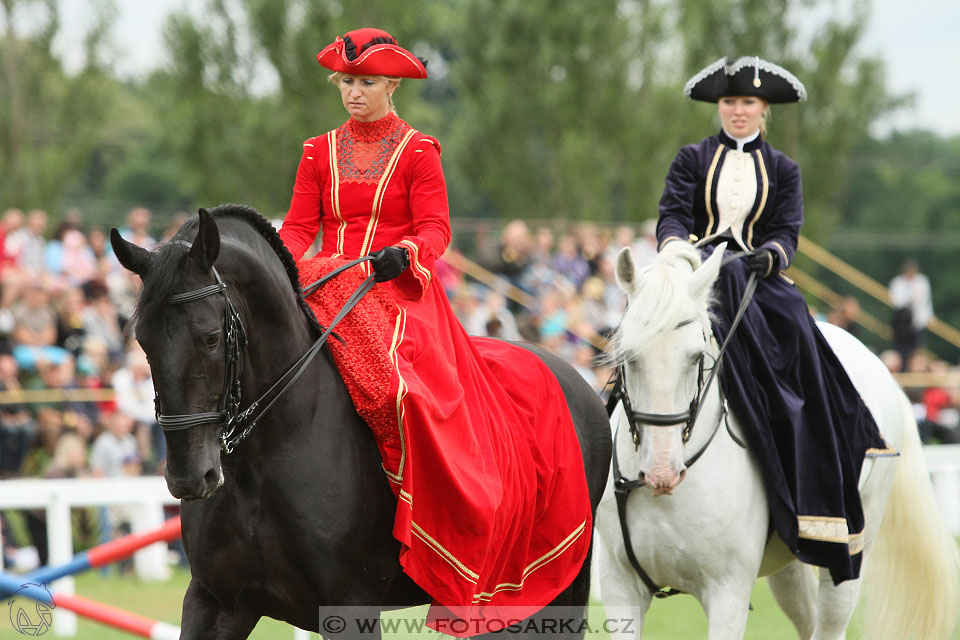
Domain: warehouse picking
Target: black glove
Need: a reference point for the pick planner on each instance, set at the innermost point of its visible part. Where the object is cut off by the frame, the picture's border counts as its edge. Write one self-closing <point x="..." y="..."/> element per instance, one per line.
<point x="389" y="262"/>
<point x="762" y="262"/>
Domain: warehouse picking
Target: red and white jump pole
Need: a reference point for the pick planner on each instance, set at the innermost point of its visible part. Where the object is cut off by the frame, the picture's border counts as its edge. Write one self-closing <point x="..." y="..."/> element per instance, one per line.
<point x="98" y="556"/>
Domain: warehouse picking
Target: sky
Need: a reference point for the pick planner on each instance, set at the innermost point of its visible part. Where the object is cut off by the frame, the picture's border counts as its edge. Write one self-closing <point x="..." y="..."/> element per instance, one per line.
<point x="918" y="41"/>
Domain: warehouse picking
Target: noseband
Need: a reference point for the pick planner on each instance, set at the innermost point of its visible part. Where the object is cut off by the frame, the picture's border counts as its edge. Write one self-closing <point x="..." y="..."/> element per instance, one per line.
<point x="228" y="408"/>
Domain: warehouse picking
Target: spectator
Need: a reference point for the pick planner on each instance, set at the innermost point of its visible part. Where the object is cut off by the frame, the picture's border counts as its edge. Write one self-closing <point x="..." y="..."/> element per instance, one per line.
<point x="568" y="263"/>
<point x="845" y="315"/>
<point x="137" y="229"/>
<point x="70" y="306"/>
<point x="114" y="455"/>
<point x="891" y="360"/>
<point x="114" y="446"/>
<point x="493" y="314"/>
<point x="17" y="428"/>
<point x="27" y="243"/>
<point x="583" y="360"/>
<point x="913" y="308"/>
<point x="513" y="256"/>
<point x="35" y="330"/>
<point x="133" y="384"/>
<point x="101" y="319"/>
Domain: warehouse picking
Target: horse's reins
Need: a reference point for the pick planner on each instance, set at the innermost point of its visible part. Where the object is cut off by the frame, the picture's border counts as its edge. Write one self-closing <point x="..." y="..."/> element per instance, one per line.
<point x="621" y="485"/>
<point x="229" y="403"/>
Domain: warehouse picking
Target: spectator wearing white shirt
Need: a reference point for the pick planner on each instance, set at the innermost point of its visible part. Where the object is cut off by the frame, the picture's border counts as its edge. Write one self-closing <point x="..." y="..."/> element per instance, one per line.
<point x="913" y="309"/>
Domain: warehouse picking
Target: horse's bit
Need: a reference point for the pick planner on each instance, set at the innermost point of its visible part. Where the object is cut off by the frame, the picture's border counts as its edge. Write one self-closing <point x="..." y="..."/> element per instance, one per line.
<point x="621" y="485"/>
<point x="227" y="412"/>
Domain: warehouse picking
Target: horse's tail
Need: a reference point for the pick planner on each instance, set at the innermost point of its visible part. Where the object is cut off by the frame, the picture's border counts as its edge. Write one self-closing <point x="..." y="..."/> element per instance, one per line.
<point x="912" y="586"/>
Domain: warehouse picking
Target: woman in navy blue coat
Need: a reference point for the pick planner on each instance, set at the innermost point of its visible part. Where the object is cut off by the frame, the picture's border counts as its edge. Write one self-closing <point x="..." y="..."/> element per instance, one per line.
<point x="804" y="419"/>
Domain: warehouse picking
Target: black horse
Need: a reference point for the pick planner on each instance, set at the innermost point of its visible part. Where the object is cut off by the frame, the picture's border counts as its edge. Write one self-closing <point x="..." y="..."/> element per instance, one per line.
<point x="300" y="515"/>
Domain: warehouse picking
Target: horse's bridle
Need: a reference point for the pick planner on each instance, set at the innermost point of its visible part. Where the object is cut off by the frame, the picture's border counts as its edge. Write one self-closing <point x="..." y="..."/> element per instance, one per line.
<point x="688" y="418"/>
<point x="228" y="407"/>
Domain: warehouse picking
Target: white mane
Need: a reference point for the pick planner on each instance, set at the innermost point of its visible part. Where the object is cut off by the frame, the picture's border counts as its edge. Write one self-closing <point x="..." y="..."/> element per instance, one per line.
<point x="661" y="301"/>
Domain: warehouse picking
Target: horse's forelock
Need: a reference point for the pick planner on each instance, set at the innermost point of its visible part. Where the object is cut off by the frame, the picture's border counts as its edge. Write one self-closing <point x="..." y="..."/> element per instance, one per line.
<point x="661" y="302"/>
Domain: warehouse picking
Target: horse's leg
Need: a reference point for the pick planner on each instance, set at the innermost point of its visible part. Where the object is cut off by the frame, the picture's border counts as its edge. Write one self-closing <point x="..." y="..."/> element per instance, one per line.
<point x="204" y="618"/>
<point x="835" y="605"/>
<point x="727" y="603"/>
<point x="795" y="589"/>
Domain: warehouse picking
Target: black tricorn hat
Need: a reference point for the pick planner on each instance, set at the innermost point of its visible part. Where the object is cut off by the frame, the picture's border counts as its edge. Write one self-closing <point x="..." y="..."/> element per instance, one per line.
<point x="746" y="76"/>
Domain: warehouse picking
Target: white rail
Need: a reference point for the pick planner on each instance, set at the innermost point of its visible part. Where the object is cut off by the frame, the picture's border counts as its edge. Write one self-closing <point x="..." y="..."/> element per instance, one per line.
<point x="943" y="462"/>
<point x="145" y="495"/>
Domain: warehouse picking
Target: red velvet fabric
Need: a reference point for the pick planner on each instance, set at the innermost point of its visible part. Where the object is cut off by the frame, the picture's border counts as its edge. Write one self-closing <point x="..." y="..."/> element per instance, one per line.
<point x="476" y="438"/>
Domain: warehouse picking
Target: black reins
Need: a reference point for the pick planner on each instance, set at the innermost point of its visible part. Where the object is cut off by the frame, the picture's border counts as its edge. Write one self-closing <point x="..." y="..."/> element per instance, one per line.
<point x="622" y="486"/>
<point x="228" y="413"/>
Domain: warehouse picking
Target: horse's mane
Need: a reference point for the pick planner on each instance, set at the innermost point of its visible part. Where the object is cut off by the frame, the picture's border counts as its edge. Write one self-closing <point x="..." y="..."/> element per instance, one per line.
<point x="170" y="256"/>
<point x="661" y="301"/>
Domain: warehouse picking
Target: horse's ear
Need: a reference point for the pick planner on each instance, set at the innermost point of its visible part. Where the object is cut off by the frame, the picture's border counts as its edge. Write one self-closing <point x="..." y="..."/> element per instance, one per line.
<point x="705" y="275"/>
<point x="134" y="258"/>
<point x="206" y="246"/>
<point x="627" y="275"/>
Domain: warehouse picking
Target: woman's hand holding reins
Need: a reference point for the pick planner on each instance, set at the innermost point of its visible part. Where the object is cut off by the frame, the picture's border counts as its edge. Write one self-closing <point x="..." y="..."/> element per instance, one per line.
<point x="762" y="262"/>
<point x="389" y="262"/>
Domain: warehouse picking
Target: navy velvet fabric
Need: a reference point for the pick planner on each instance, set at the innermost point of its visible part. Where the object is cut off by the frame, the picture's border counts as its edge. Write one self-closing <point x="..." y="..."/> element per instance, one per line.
<point x="802" y="417"/>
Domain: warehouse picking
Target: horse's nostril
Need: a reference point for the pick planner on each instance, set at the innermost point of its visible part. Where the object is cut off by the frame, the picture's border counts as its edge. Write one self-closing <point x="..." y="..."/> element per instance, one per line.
<point x="211" y="478"/>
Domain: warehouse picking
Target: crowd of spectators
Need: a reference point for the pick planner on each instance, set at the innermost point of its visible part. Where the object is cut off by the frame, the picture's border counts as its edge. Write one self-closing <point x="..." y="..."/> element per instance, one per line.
<point x="66" y="305"/>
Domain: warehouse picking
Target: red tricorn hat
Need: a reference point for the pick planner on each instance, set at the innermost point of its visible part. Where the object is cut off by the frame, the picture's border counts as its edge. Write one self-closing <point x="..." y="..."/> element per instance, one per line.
<point x="371" y="52"/>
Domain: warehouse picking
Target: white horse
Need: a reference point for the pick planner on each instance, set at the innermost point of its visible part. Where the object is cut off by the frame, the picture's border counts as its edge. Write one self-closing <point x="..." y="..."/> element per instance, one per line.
<point x="708" y="535"/>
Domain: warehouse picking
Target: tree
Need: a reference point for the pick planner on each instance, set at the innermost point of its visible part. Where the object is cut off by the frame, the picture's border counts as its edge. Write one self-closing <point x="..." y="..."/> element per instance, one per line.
<point x="50" y="121"/>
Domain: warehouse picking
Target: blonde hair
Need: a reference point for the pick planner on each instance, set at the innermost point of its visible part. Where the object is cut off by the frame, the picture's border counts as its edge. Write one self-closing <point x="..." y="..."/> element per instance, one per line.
<point x="767" y="115"/>
<point x="335" y="77"/>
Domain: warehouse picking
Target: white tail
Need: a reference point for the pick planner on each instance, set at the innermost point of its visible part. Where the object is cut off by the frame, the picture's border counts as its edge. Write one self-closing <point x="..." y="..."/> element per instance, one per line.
<point x="912" y="581"/>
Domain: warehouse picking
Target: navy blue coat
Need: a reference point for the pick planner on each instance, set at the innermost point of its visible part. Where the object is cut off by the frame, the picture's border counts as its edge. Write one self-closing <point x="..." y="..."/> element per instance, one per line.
<point x="802" y="416"/>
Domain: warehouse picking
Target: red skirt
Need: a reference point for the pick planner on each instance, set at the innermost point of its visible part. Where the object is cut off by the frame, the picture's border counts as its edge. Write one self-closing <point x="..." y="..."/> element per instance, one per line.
<point x="477" y="444"/>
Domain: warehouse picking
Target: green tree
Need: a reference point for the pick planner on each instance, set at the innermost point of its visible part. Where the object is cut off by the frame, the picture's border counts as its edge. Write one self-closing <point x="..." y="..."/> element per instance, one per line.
<point x="49" y="121"/>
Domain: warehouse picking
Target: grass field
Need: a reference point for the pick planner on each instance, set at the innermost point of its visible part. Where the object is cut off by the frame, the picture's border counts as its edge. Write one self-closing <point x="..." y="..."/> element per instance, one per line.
<point x="677" y="618"/>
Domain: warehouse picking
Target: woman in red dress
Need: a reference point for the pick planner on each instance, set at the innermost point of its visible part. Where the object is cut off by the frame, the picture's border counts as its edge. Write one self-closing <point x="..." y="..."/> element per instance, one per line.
<point x="487" y="517"/>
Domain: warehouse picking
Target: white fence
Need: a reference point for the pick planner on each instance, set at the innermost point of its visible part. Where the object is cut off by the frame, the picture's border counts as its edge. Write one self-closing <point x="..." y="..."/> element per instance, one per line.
<point x="143" y="495"/>
<point x="147" y="495"/>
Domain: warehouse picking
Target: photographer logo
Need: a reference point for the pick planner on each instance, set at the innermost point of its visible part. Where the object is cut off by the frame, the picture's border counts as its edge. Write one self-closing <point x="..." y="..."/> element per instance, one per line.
<point x="28" y="616"/>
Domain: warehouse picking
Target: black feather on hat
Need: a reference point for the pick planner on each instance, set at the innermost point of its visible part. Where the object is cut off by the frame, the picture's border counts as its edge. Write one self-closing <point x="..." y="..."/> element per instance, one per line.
<point x="747" y="76"/>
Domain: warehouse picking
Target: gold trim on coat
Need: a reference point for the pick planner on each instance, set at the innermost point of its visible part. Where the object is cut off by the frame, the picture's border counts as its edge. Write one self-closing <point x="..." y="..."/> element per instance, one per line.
<point x="708" y="189"/>
<point x="763" y="198"/>
<point x="335" y="190"/>
<point x="399" y="330"/>
<point x="378" y="197"/>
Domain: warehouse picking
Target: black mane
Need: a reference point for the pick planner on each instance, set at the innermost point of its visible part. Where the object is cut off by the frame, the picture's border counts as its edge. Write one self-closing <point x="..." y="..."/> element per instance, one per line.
<point x="170" y="256"/>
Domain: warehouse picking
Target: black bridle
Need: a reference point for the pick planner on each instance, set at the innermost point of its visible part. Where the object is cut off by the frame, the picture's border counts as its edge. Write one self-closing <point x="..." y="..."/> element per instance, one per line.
<point x="228" y="407"/>
<point x="623" y="486"/>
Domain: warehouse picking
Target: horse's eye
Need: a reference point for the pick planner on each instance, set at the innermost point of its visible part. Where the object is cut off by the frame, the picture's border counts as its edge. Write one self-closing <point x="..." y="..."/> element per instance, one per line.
<point x="213" y="339"/>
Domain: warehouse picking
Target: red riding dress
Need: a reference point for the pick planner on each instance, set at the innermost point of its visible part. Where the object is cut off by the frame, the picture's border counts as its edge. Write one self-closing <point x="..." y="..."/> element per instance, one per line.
<point x="476" y="439"/>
